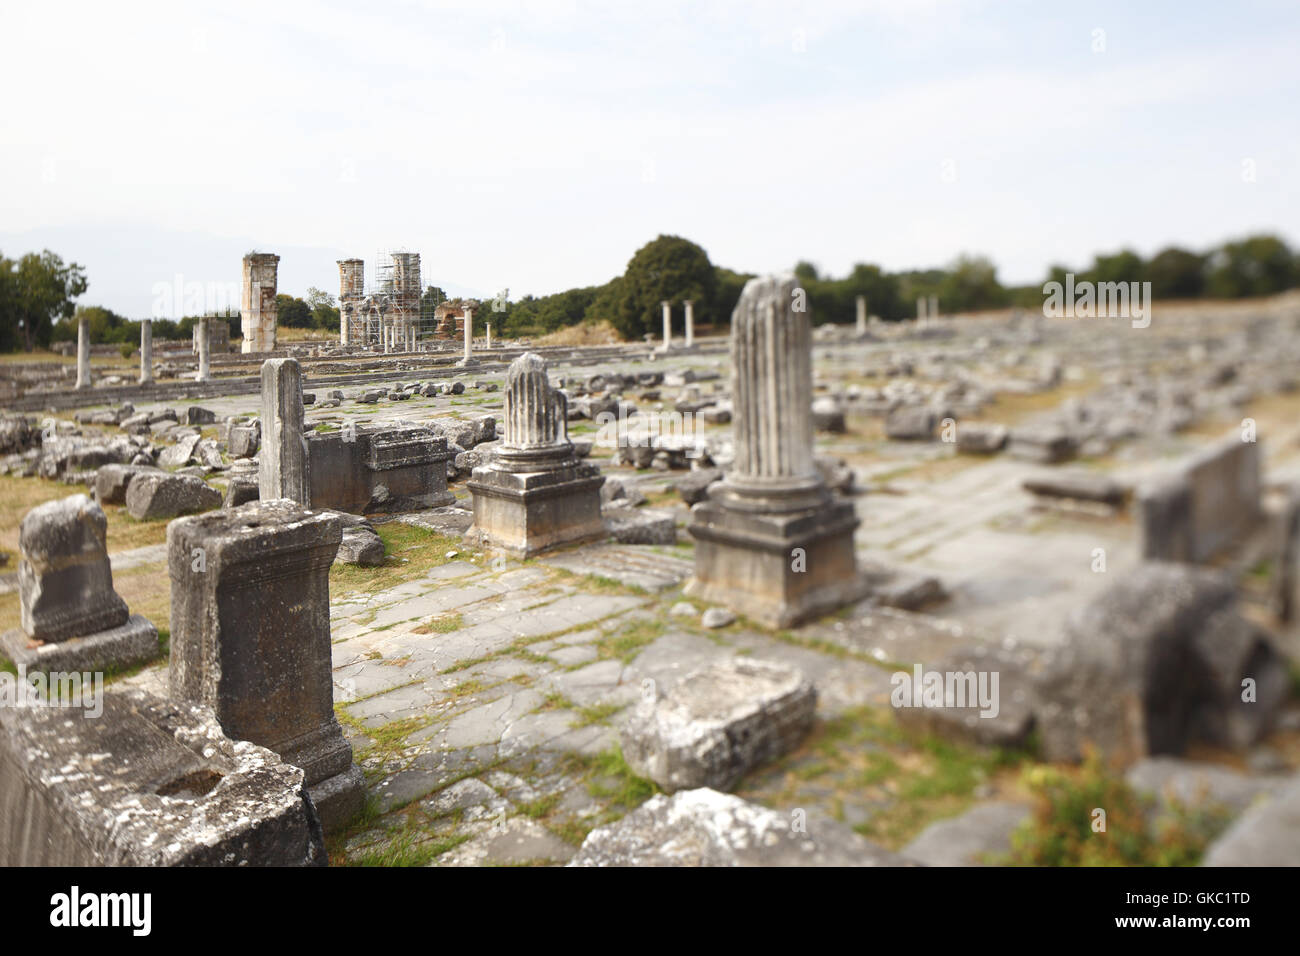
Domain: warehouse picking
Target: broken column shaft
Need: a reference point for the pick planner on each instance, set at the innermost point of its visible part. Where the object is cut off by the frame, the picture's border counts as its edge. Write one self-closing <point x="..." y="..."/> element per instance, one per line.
<point x="772" y="541"/>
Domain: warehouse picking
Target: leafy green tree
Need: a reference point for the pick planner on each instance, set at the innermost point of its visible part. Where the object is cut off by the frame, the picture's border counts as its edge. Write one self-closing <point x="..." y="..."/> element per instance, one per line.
<point x="670" y="268"/>
<point x="916" y="283"/>
<point x="36" y="291"/>
<point x="606" y="302"/>
<point x="805" y="271"/>
<point x="431" y="299"/>
<point x="727" y="289"/>
<point x="324" y="314"/>
<point x="292" y="312"/>
<point x="1123" y="266"/>
<point x="1257" y="265"/>
<point x="970" y="284"/>
<point x="1176" y="274"/>
<point x="9" y="333"/>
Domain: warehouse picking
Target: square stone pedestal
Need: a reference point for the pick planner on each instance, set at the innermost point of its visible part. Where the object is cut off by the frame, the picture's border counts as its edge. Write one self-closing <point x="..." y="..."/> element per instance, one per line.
<point x="251" y="638"/>
<point x="525" y="513"/>
<point x="113" y="649"/>
<point x="748" y="561"/>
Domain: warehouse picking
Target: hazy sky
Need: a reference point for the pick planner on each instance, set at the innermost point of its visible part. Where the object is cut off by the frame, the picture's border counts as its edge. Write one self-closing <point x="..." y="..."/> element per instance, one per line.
<point x="536" y="146"/>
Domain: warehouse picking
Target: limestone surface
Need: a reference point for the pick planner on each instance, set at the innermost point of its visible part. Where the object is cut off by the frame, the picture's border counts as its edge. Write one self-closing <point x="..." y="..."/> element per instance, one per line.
<point x="703" y="827"/>
<point x="718" y="723"/>
<point x="177" y="791"/>
<point x="65" y="579"/>
<point x="155" y="495"/>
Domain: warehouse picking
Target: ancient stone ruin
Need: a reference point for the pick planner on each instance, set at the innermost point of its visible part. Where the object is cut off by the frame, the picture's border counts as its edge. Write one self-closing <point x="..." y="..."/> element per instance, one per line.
<point x="258" y="311"/>
<point x="72" y="619"/>
<point x="177" y="791"/>
<point x="535" y="494"/>
<point x="772" y="542"/>
<point x="374" y="468"/>
<point x="718" y="723"/>
<point x="509" y="711"/>
<point x="251" y="638"/>
<point x="285" y="466"/>
<point x="1204" y="505"/>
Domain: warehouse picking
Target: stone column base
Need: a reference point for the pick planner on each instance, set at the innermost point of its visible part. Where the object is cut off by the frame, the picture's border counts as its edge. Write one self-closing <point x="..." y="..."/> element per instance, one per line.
<point x="525" y="513"/>
<point x="338" y="799"/>
<point x="135" y="642"/>
<point x="748" y="562"/>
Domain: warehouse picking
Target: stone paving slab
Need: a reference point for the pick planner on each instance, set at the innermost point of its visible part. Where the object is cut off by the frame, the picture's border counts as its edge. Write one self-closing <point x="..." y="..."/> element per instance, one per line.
<point x="519" y="840"/>
<point x="631" y="565"/>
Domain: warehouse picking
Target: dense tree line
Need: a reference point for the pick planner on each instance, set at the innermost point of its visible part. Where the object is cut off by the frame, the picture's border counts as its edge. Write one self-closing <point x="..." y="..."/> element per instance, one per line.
<point x="38" y="292"/>
<point x="676" y="269"/>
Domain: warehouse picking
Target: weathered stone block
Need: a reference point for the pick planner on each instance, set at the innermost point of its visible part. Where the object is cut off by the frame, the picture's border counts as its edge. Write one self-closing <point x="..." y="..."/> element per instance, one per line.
<point x="1268" y="834"/>
<point x="910" y="423"/>
<point x="179" y="454"/>
<point x="1080" y="486"/>
<point x="1155" y="662"/>
<point x="375" y="468"/>
<point x="177" y="791"/>
<point x="1045" y="444"/>
<point x="707" y="828"/>
<point x="641" y="526"/>
<point x="251" y="637"/>
<point x="975" y="438"/>
<point x="135" y="641"/>
<point x="361" y="546"/>
<point x="111" y="482"/>
<point x="778" y="569"/>
<point x="527" y="513"/>
<point x="719" y="723"/>
<point x="240" y="490"/>
<point x="694" y="487"/>
<point x="245" y="440"/>
<point x="828" y="415"/>
<point x="1204" y="506"/>
<point x="65" y="580"/>
<point x="1005" y="677"/>
<point x="156" y="495"/>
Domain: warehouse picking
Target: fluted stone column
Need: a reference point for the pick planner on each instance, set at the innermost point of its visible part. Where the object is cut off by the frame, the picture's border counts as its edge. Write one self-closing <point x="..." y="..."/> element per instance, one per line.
<point x="934" y="306"/>
<point x="469" y="332"/>
<point x="536" y="494"/>
<point x="535" y="413"/>
<point x="771" y="388"/>
<point x="146" y="351"/>
<point x="283" y="463"/>
<point x="83" y="353"/>
<point x="920" y="308"/>
<point x="862" y="313"/>
<point x="205" y="349"/>
<point x="668" y="324"/>
<point x="690" y="322"/>
<point x="487" y="327"/>
<point x="772" y="541"/>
